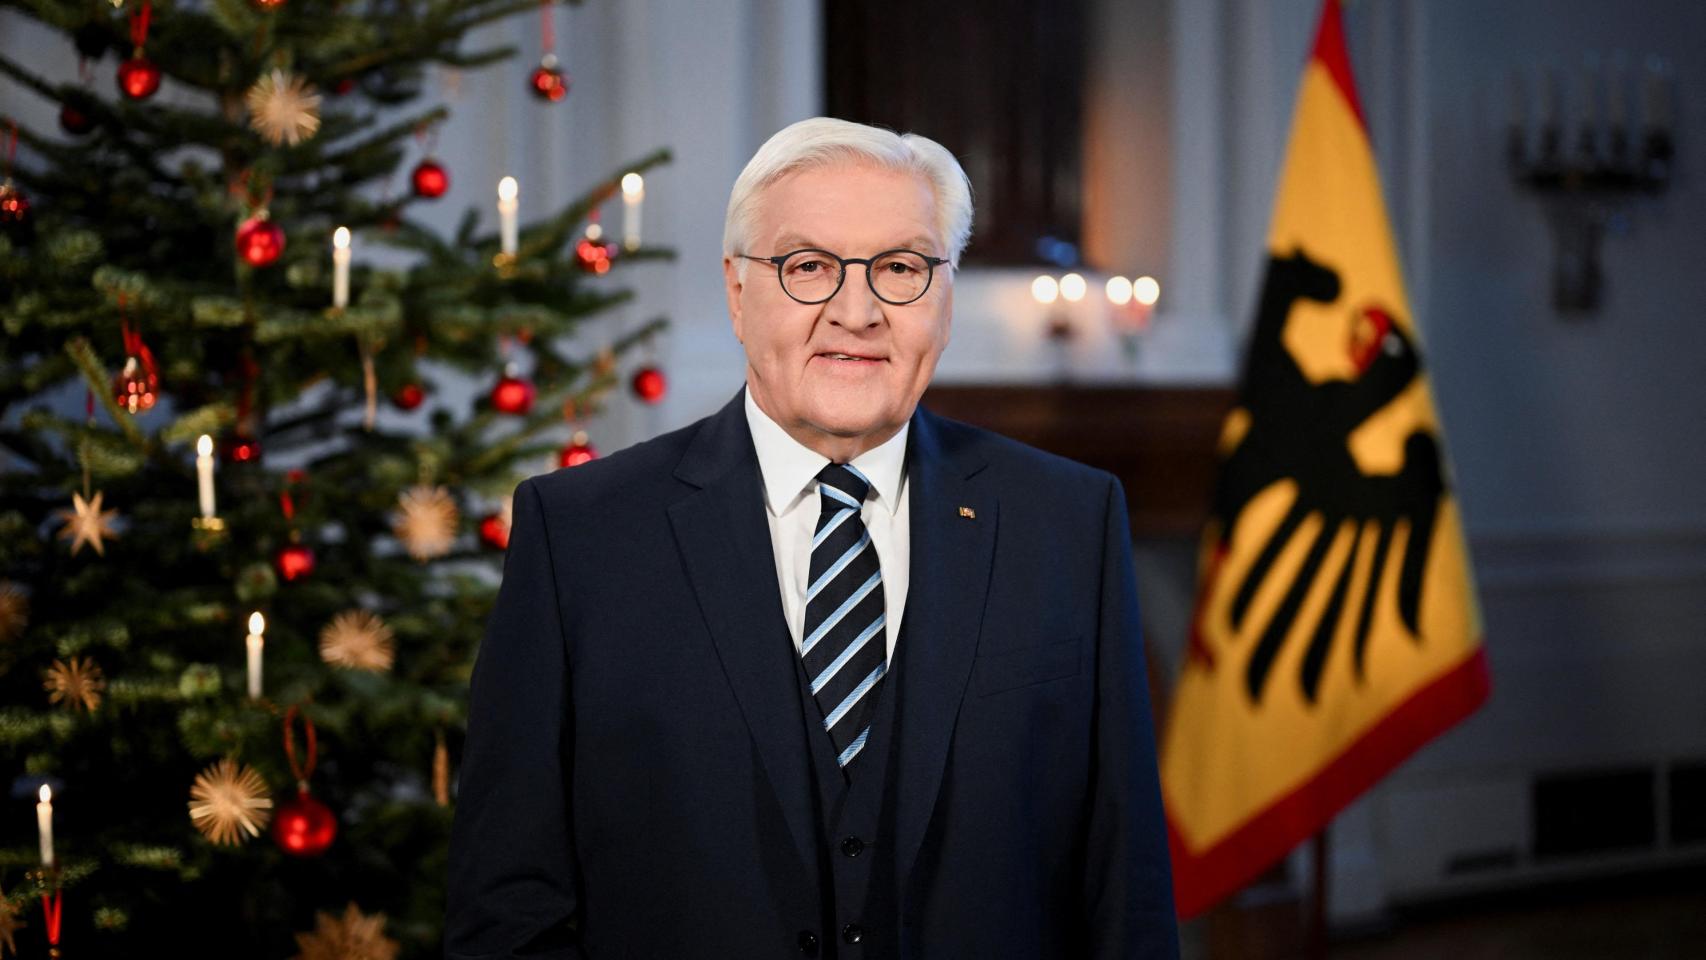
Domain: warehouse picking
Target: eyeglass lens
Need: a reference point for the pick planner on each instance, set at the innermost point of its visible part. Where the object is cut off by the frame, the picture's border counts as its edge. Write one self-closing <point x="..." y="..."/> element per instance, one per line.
<point x="814" y="276"/>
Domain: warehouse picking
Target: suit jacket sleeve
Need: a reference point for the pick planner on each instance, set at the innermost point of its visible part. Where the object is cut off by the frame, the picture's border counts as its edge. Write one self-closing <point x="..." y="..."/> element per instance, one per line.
<point x="512" y="885"/>
<point x="1128" y="881"/>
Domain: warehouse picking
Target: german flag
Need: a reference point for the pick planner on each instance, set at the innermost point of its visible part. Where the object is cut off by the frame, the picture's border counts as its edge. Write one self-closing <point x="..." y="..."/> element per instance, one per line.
<point x="1336" y="627"/>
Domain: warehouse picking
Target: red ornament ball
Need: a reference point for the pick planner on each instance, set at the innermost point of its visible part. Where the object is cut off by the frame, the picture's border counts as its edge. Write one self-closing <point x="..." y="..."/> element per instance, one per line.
<point x="259" y="241"/>
<point x="303" y="826"/>
<point x="343" y="85"/>
<point x="15" y="219"/>
<point x="649" y="384"/>
<point x="495" y="531"/>
<point x="295" y="562"/>
<point x="240" y="448"/>
<point x="594" y="257"/>
<point x="137" y="385"/>
<point x="408" y="396"/>
<point x="74" y="121"/>
<point x="578" y="451"/>
<point x="138" y="78"/>
<point x="548" y="83"/>
<point x="430" y="179"/>
<point x="512" y="395"/>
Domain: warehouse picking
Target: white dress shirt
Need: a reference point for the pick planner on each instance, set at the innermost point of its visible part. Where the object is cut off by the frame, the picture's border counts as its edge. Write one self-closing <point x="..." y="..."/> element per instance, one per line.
<point x="792" y="505"/>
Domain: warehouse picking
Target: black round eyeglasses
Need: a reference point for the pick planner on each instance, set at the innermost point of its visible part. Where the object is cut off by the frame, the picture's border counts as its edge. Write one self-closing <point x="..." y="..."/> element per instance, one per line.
<point x="813" y="276"/>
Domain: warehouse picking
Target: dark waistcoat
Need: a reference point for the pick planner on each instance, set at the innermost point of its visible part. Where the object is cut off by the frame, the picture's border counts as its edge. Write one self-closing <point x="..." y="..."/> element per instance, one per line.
<point x="855" y="819"/>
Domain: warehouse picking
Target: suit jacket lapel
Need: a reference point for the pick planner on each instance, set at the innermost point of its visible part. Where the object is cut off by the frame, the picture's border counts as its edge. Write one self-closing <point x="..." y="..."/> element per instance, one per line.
<point x="951" y="562"/>
<point x="725" y="544"/>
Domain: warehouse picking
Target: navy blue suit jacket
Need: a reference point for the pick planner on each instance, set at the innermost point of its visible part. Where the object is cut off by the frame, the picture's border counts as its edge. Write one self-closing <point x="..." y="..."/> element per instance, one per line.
<point x="635" y="782"/>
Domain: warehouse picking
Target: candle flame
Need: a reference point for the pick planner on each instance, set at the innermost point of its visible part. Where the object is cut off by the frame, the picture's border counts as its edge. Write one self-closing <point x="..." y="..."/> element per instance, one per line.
<point x="257" y="623"/>
<point x="1147" y="290"/>
<point x="340" y="238"/>
<point x="1119" y="291"/>
<point x="633" y="186"/>
<point x="507" y="188"/>
<point x="1073" y="287"/>
<point x="204" y="446"/>
<point x="1045" y="288"/>
<point x="45" y="793"/>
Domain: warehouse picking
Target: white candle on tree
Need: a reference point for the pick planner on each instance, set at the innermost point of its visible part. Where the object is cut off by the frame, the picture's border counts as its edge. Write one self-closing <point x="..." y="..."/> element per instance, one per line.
<point x="507" y="207"/>
<point x="204" y="474"/>
<point x="257" y="625"/>
<point x="44" y="824"/>
<point x="633" y="191"/>
<point x="340" y="267"/>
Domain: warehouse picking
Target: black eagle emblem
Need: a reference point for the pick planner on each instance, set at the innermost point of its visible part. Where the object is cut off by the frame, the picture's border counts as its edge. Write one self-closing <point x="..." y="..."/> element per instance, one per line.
<point x="1300" y="430"/>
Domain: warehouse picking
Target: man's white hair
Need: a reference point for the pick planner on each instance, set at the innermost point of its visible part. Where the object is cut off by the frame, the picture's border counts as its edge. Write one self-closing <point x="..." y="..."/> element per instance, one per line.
<point x="825" y="141"/>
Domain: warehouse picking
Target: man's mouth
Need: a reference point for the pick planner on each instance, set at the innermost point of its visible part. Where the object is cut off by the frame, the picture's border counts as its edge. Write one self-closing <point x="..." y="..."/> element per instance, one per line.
<point x="850" y="357"/>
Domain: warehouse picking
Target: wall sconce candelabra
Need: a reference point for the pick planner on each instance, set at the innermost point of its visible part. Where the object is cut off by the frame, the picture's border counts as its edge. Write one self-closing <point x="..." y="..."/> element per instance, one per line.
<point x="1587" y="169"/>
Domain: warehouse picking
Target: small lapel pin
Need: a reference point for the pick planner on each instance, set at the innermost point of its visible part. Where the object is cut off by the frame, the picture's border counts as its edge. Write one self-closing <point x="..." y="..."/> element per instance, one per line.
<point x="968" y="513"/>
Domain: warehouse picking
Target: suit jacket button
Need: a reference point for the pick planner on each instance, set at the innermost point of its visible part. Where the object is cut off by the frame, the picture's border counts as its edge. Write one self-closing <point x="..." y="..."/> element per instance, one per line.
<point x="852" y="846"/>
<point x="808" y="943"/>
<point x="852" y="933"/>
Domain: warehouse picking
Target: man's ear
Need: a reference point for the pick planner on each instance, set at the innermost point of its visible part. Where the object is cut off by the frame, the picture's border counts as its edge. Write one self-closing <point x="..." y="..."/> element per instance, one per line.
<point x="732" y="287"/>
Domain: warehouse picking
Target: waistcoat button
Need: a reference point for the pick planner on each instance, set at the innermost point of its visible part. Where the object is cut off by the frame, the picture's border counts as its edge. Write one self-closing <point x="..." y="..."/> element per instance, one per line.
<point x="852" y="933"/>
<point x="808" y="943"/>
<point x="852" y="846"/>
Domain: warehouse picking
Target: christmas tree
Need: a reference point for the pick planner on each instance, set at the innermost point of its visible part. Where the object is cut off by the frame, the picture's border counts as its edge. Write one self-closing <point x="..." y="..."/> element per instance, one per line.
<point x="238" y="607"/>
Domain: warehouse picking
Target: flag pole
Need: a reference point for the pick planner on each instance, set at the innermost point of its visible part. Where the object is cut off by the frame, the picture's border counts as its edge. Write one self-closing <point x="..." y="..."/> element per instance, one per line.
<point x="1317" y="942"/>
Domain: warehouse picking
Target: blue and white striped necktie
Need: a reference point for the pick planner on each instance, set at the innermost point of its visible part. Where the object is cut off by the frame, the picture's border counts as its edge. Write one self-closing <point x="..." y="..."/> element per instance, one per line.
<point x="845" y="646"/>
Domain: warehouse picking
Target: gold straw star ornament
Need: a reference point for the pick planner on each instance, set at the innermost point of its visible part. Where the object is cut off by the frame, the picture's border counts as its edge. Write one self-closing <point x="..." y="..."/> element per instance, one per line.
<point x="87" y="523"/>
<point x="353" y="936"/>
<point x="228" y="801"/>
<point x="283" y="108"/>
<point x="9" y="926"/>
<point x="358" y="640"/>
<point x="426" y="521"/>
<point x="75" y="683"/>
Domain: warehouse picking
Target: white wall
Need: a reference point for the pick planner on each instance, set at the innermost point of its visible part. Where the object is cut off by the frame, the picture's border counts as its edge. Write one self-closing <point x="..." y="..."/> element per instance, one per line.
<point x="1575" y="442"/>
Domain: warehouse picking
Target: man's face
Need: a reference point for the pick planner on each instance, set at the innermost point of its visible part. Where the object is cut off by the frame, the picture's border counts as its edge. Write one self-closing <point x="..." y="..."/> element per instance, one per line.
<point x="797" y="354"/>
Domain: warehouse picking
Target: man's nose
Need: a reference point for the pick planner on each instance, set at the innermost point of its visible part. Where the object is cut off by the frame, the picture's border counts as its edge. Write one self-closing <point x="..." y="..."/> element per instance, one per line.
<point x="854" y="306"/>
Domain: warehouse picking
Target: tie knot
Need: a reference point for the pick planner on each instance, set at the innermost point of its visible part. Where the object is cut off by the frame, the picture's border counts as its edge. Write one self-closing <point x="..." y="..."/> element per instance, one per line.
<point x="845" y="479"/>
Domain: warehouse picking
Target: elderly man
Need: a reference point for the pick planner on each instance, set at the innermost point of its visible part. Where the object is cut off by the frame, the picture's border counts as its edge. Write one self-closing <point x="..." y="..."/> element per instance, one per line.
<point x="821" y="674"/>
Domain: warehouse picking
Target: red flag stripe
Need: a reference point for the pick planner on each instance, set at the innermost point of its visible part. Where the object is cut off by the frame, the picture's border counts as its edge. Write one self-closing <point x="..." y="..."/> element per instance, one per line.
<point x="1200" y="881"/>
<point x="1330" y="50"/>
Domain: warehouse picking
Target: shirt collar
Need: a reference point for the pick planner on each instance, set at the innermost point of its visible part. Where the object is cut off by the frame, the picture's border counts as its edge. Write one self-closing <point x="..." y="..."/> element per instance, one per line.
<point x="789" y="467"/>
